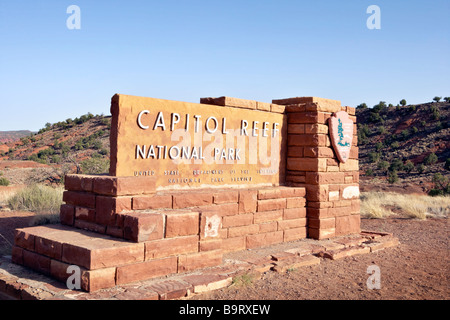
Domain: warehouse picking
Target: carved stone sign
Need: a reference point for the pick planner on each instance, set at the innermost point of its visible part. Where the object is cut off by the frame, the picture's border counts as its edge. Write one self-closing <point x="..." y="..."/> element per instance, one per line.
<point x="341" y="134"/>
<point x="195" y="145"/>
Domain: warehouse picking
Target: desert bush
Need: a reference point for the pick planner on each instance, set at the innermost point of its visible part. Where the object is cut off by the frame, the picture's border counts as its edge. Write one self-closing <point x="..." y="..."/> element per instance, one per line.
<point x="441" y="185"/>
<point x="369" y="172"/>
<point x="437" y="99"/>
<point x="409" y="166"/>
<point x="420" y="168"/>
<point x="392" y="177"/>
<point x="383" y="165"/>
<point x="431" y="159"/>
<point x="95" y="165"/>
<point x="43" y="200"/>
<point x="4" y="181"/>
<point x="447" y="164"/>
<point x="374" y="156"/>
<point x="394" y="145"/>
<point x="403" y="102"/>
<point x="447" y="99"/>
<point x="396" y="165"/>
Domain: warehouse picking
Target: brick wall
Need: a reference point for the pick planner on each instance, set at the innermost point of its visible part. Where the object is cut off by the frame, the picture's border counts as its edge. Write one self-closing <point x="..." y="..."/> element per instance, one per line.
<point x="332" y="186"/>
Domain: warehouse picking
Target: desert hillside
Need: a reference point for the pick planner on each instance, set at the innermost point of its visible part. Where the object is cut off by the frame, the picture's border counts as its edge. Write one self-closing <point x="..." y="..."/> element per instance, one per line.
<point x="404" y="145"/>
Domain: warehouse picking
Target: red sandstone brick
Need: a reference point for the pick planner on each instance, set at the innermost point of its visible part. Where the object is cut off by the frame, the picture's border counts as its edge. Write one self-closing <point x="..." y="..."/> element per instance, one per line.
<point x="292" y="192"/>
<point x="295" y="178"/>
<point x="90" y="226"/>
<point x="94" y="280"/>
<point x="186" y="200"/>
<point x="182" y="224"/>
<point x="152" y="202"/>
<point x="305" y="140"/>
<point x="263" y="239"/>
<point x="277" y="108"/>
<point x="271" y="204"/>
<point x="121" y="186"/>
<point x="266" y="216"/>
<point x="325" y="177"/>
<point x="86" y="214"/>
<point x="268" y="226"/>
<point x="247" y="201"/>
<point x="305" y="117"/>
<point x="58" y="270"/>
<point x="243" y="230"/>
<point x="36" y="262"/>
<point x="265" y="194"/>
<point x="321" y="204"/>
<point x="317" y="192"/>
<point x="230" y="102"/>
<point x="146" y="270"/>
<point x="294" y="234"/>
<point x="78" y="182"/>
<point x="263" y="106"/>
<point x="233" y="244"/>
<point x="295" y="203"/>
<point x="291" y="224"/>
<point x="295" y="152"/>
<point x="199" y="260"/>
<point x="322" y="223"/>
<point x="296" y="129"/>
<point x="170" y="247"/>
<point x="355" y="206"/>
<point x="24" y="239"/>
<point x="48" y="247"/>
<point x="237" y="220"/>
<point x="319" y="152"/>
<point x="67" y="214"/>
<point x="316" y="128"/>
<point x="226" y="197"/>
<point x="141" y="227"/>
<point x="224" y="209"/>
<point x="108" y="207"/>
<point x="16" y="255"/>
<point x="210" y="245"/>
<point x="339" y="211"/>
<point x="307" y="164"/>
<point x="318" y="213"/>
<point x="81" y="199"/>
<point x="294" y="213"/>
<point x="348" y="225"/>
<point x="321" y="233"/>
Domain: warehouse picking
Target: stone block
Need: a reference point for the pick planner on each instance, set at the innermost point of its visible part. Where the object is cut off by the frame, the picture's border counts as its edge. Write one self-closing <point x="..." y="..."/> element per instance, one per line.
<point x="146" y="270"/>
<point x="140" y="227"/>
<point x="152" y="202"/>
<point x="181" y="224"/>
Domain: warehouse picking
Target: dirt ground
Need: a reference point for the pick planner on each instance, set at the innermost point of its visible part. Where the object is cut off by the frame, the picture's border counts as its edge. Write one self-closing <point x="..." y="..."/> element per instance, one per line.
<point x="417" y="269"/>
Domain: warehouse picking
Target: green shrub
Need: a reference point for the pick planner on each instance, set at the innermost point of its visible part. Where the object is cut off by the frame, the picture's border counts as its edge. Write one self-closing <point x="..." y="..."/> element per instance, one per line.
<point x="437" y="99"/>
<point x="409" y="166"/>
<point x="393" y="177"/>
<point x="420" y="168"/>
<point x="396" y="165"/>
<point x="374" y="157"/>
<point x="95" y="165"/>
<point x="394" y="145"/>
<point x="441" y="185"/>
<point x="379" y="146"/>
<point x="383" y="165"/>
<point x="403" y="102"/>
<point x="4" y="182"/>
<point x="431" y="159"/>
<point x="447" y="164"/>
<point x="369" y="172"/>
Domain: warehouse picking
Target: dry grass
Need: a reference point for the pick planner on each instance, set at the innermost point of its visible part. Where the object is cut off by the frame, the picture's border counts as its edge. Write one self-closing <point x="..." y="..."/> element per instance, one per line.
<point x="384" y="204"/>
<point x="43" y="200"/>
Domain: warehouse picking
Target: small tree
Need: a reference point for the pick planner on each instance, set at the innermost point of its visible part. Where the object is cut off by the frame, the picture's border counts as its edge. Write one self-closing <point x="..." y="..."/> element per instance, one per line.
<point x="431" y="159"/>
<point x="393" y="177"/>
<point x="362" y="106"/>
<point x="409" y="166"/>
<point x="441" y="185"/>
<point x="447" y="99"/>
<point x="437" y="99"/>
<point x="403" y="102"/>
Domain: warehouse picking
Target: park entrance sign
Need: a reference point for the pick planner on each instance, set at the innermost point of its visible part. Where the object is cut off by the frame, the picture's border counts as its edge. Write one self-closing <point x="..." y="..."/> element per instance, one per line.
<point x="195" y="145"/>
<point x="189" y="182"/>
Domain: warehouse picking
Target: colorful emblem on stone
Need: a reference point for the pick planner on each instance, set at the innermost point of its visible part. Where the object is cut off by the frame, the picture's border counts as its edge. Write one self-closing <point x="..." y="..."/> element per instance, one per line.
<point x="341" y="134"/>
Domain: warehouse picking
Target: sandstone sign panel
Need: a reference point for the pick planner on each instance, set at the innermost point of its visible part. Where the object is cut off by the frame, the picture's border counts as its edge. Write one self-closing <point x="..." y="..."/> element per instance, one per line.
<point x="185" y="145"/>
